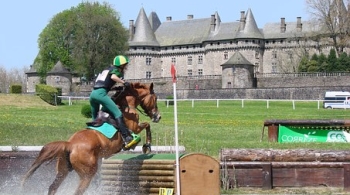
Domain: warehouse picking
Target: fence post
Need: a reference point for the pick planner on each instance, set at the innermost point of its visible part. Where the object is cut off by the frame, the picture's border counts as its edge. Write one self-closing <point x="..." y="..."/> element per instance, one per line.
<point x="267" y="176"/>
<point x="346" y="167"/>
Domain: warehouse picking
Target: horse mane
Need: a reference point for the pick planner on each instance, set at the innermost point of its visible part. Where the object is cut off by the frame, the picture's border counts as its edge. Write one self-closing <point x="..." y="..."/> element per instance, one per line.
<point x="121" y="93"/>
<point x="139" y="85"/>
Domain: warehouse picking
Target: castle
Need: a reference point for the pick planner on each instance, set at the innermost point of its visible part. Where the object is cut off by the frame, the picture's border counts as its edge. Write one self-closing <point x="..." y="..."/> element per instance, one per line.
<point x="226" y="60"/>
<point x="207" y="46"/>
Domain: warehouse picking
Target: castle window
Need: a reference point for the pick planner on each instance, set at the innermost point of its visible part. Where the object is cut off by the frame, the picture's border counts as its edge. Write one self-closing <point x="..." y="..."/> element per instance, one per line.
<point x="256" y="54"/>
<point x="290" y="54"/>
<point x="148" y="74"/>
<point x="200" y="59"/>
<point x="229" y="85"/>
<point x="189" y="72"/>
<point x="225" y="55"/>
<point x="274" y="54"/>
<point x="256" y="68"/>
<point x="173" y="60"/>
<point x="189" y="60"/>
<point x="200" y="71"/>
<point x="274" y="67"/>
<point x="148" y="61"/>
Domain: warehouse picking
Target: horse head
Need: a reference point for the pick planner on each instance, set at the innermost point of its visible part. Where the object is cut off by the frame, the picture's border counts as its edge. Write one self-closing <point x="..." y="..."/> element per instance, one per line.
<point x="140" y="94"/>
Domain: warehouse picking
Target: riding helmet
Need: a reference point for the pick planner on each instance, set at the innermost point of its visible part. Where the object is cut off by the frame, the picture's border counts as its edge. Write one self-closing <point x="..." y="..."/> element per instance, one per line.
<point x="120" y="60"/>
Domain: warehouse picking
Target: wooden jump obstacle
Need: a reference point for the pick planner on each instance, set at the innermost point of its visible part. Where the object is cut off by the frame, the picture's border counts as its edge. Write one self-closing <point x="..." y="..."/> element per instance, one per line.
<point x="267" y="169"/>
<point x="273" y="126"/>
<point x="146" y="174"/>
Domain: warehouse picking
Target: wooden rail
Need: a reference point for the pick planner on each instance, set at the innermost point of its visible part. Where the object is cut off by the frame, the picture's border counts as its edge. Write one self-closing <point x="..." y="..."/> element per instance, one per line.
<point x="267" y="168"/>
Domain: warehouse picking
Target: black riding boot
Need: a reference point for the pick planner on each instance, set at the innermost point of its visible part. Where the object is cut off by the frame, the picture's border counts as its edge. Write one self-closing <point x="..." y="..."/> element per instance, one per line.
<point x="128" y="139"/>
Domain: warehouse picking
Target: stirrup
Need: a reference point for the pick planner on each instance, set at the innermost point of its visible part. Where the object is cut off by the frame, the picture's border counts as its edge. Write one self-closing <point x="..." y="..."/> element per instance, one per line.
<point x="133" y="143"/>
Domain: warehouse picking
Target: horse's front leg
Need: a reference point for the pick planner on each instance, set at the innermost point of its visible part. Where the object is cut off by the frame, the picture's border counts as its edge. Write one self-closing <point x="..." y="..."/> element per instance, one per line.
<point x="147" y="126"/>
<point x="146" y="148"/>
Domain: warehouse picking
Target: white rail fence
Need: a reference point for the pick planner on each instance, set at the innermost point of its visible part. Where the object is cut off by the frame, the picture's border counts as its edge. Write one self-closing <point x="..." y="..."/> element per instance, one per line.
<point x="216" y="101"/>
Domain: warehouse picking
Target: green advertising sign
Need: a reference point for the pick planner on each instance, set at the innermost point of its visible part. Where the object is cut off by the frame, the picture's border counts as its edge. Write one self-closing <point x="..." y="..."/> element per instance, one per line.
<point x="299" y="134"/>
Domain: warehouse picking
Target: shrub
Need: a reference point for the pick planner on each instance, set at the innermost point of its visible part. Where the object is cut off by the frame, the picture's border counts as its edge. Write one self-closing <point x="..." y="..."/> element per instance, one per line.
<point x="170" y="99"/>
<point x="16" y="89"/>
<point x="48" y="94"/>
<point x="86" y="111"/>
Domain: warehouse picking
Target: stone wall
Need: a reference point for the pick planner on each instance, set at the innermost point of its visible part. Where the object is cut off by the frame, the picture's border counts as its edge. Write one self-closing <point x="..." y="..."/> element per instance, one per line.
<point x="210" y="87"/>
<point x="298" y="88"/>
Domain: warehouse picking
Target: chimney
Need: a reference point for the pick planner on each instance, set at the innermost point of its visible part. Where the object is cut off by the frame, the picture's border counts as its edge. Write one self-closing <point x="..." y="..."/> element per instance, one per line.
<point x="283" y="25"/>
<point x="299" y="24"/>
<point x="242" y="20"/>
<point x="189" y="17"/>
<point x="168" y="18"/>
<point x="131" y="29"/>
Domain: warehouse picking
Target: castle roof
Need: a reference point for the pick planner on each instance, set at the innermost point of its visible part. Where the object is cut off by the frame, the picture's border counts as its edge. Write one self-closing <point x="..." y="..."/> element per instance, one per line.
<point x="250" y="29"/>
<point x="144" y="34"/>
<point x="237" y="59"/>
<point x="183" y="32"/>
<point x="59" y="69"/>
<point x="151" y="32"/>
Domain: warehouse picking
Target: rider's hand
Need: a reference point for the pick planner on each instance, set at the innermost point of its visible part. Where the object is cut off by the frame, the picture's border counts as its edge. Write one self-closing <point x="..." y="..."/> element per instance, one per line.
<point x="127" y="84"/>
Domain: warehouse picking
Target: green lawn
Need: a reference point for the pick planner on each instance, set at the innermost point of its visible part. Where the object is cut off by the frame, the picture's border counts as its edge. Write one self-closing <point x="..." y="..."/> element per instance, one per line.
<point x="202" y="126"/>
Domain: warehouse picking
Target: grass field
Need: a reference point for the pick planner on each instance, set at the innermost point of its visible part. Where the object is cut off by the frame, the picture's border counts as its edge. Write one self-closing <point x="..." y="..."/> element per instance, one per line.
<point x="204" y="127"/>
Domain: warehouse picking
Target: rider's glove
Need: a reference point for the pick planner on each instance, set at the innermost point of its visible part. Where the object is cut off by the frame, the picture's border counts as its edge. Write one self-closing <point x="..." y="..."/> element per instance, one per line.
<point x="127" y="84"/>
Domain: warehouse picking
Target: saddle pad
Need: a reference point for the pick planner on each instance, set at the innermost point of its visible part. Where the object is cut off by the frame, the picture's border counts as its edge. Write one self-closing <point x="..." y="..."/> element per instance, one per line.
<point x="106" y="129"/>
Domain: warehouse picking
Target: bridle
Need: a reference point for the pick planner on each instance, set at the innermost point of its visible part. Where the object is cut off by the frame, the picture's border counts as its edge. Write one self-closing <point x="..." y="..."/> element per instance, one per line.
<point x="152" y="113"/>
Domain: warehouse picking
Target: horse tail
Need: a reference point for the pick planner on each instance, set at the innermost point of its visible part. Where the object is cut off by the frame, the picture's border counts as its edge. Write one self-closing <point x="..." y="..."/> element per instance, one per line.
<point x="49" y="152"/>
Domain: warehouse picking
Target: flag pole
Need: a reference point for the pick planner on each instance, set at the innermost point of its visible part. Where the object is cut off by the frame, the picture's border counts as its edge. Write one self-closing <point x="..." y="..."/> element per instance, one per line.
<point x="178" y="189"/>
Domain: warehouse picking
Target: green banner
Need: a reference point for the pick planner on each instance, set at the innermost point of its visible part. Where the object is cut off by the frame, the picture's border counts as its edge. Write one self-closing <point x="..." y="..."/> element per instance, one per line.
<point x="300" y="134"/>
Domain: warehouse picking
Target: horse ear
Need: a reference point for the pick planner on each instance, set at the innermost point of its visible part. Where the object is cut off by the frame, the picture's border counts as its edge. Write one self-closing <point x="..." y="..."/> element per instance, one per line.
<point x="151" y="87"/>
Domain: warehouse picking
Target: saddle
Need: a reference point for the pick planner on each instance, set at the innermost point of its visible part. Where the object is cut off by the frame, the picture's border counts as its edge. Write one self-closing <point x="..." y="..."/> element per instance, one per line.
<point x="103" y="117"/>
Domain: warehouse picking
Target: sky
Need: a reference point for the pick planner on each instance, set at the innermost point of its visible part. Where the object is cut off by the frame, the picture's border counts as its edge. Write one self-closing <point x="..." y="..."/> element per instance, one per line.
<point x="22" y="21"/>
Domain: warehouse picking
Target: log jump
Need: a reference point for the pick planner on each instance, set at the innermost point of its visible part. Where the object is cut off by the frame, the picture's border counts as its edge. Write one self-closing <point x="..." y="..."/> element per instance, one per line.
<point x="268" y="168"/>
<point x="146" y="174"/>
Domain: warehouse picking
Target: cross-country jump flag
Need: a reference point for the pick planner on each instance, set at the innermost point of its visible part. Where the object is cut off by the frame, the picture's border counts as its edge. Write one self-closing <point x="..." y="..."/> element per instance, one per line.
<point x="173" y="75"/>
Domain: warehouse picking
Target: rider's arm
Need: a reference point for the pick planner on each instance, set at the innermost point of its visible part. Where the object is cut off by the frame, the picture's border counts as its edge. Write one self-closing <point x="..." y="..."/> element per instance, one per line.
<point x="117" y="79"/>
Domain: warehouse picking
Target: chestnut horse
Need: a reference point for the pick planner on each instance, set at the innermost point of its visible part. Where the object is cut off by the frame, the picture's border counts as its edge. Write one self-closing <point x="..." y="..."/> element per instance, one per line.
<point x="86" y="147"/>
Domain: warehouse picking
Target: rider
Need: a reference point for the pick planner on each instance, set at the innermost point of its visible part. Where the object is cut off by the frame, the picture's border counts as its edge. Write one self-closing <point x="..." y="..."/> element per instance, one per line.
<point x="99" y="96"/>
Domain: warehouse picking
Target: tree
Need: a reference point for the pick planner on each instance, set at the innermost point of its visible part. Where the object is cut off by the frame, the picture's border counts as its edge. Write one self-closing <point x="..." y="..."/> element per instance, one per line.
<point x="85" y="39"/>
<point x="342" y="63"/>
<point x="333" y="19"/>
<point x="331" y="61"/>
<point x="322" y="63"/>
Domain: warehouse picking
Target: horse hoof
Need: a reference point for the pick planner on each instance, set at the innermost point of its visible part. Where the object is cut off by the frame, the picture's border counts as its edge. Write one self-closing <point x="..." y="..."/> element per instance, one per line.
<point x="146" y="149"/>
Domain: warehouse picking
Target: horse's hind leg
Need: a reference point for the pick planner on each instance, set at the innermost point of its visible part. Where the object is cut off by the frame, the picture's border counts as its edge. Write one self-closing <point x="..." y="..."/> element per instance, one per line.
<point x="83" y="184"/>
<point x="86" y="170"/>
<point x="62" y="172"/>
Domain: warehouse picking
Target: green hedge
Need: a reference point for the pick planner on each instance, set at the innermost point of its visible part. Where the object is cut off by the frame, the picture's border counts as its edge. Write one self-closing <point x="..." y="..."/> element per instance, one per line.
<point x="49" y="94"/>
<point x="16" y="89"/>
